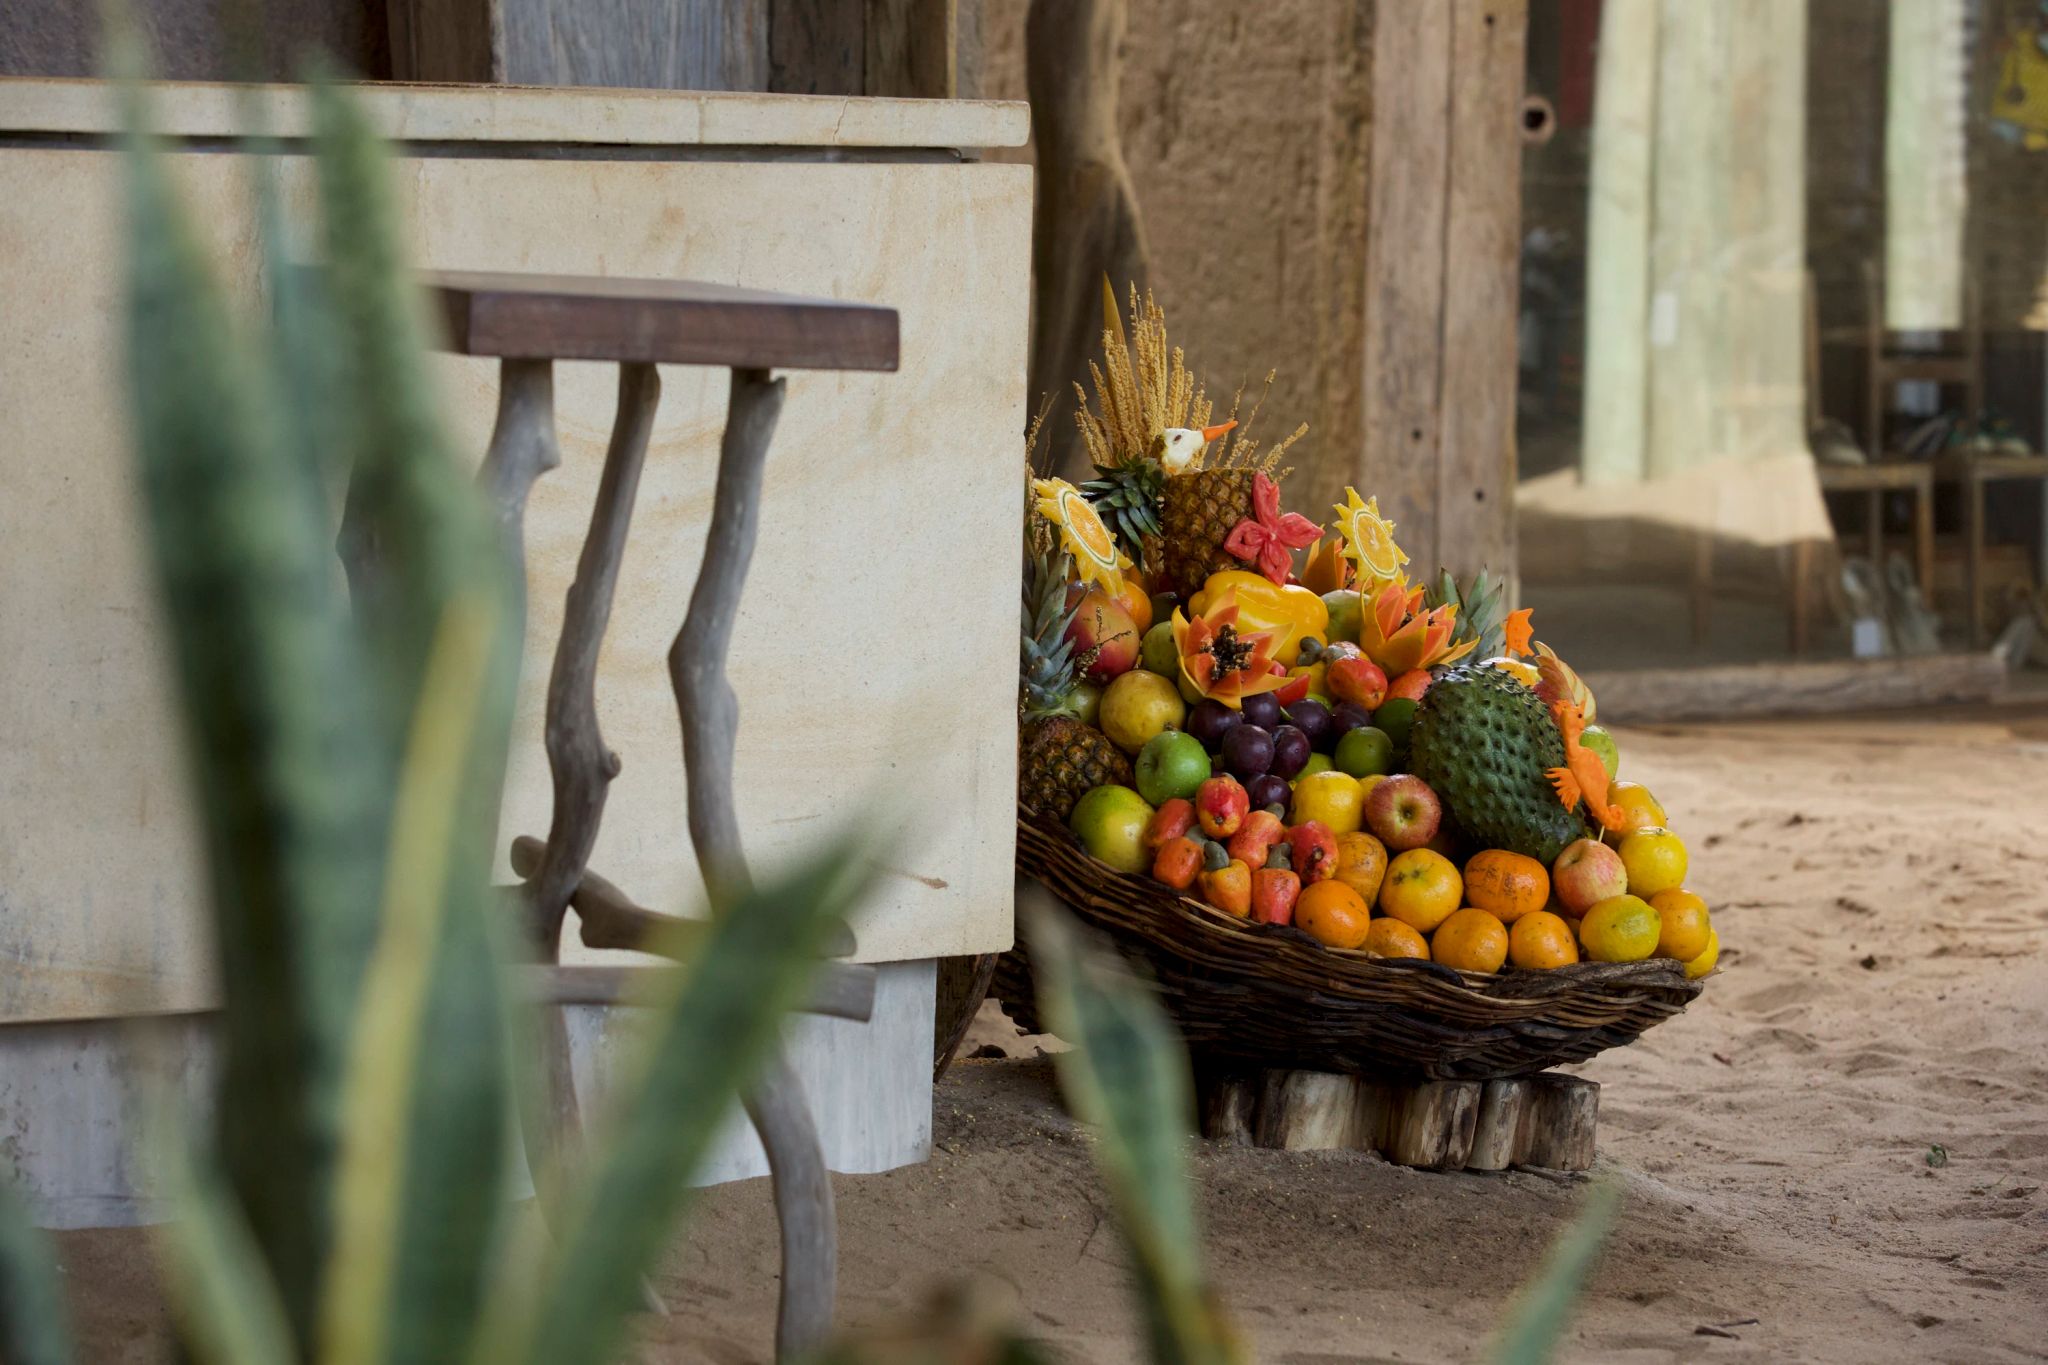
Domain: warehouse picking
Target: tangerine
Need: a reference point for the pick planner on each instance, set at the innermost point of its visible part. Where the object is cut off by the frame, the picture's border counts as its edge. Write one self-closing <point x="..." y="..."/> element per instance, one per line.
<point x="1540" y="940"/>
<point x="1421" y="889"/>
<point x="1687" y="925"/>
<point x="1655" y="859"/>
<point x="1640" y="809"/>
<point x="1361" y="864"/>
<point x="1331" y="912"/>
<point x="1620" y="929"/>
<point x="1391" y="938"/>
<point x="1510" y="885"/>
<point x="1472" y="940"/>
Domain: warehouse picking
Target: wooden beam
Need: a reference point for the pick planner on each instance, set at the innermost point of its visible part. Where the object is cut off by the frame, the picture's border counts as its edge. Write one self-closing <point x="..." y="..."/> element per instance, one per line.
<point x="817" y="47"/>
<point x="1644" y="696"/>
<point x="1475" y="508"/>
<point x="444" y="40"/>
<point x="910" y="49"/>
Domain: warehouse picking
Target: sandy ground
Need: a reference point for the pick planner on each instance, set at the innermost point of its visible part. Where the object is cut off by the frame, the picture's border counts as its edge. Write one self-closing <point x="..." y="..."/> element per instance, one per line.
<point x="1882" y="895"/>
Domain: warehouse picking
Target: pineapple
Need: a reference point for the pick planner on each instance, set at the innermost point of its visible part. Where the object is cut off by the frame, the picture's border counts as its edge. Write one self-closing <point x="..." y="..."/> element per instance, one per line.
<point x="1126" y="497"/>
<point x="1059" y="757"/>
<point x="1481" y="612"/>
<point x="1198" y="511"/>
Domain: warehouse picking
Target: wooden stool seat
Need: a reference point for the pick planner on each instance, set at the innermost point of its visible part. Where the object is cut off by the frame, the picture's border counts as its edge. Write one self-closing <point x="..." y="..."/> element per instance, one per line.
<point x="671" y="322"/>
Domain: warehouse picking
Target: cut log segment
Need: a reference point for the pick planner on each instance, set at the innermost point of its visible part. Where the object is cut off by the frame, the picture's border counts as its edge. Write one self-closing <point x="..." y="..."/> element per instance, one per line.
<point x="1545" y="1121"/>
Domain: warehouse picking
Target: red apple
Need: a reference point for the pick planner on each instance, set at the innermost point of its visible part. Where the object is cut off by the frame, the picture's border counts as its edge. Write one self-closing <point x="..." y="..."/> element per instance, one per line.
<point x="1105" y="637"/>
<point x="1403" y="812"/>
<point x="1586" y="873"/>
<point x="1358" y="680"/>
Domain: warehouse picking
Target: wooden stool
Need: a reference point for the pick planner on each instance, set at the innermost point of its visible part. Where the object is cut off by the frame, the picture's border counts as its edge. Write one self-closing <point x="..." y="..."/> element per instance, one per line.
<point x="1545" y="1121"/>
<point x="1970" y="473"/>
<point x="528" y="322"/>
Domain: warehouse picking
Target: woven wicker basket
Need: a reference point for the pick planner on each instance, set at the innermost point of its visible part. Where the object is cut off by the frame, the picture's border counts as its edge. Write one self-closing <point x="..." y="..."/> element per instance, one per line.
<point x="1275" y="997"/>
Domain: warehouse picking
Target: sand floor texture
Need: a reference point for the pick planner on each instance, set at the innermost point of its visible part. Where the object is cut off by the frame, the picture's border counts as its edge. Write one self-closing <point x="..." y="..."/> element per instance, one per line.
<point x="1881" y="889"/>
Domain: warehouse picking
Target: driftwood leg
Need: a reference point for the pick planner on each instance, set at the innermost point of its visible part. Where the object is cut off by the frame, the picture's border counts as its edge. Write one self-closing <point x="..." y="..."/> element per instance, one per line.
<point x="710" y="720"/>
<point x="522" y="449"/>
<point x="582" y="767"/>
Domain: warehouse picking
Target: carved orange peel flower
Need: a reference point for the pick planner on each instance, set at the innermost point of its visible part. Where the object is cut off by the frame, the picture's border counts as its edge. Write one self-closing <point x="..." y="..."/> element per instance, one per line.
<point x="1369" y="539"/>
<point x="1096" y="556"/>
<point x="1398" y="635"/>
<point x="1265" y="537"/>
<point x="1327" y="569"/>
<point x="1220" y="663"/>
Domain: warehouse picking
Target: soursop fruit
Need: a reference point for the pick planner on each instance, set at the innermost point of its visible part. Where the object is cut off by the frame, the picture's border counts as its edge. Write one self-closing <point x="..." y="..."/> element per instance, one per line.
<point x="1485" y="744"/>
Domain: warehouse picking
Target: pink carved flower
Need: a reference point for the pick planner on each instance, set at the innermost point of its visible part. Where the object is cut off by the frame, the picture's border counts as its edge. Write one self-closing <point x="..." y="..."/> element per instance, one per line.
<point x="1266" y="536"/>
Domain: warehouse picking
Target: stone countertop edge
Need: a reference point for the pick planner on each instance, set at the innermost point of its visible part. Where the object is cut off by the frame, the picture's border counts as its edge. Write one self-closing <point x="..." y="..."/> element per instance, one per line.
<point x="536" y="114"/>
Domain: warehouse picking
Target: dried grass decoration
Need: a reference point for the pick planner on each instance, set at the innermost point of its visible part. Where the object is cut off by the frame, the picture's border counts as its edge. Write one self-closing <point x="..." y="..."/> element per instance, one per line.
<point x="1168" y="482"/>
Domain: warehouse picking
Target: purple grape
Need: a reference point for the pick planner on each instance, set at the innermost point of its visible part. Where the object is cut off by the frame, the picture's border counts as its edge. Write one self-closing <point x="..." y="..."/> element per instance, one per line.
<point x="1247" y="752"/>
<point x="1263" y="710"/>
<point x="1346" y="716"/>
<point x="1290" y="751"/>
<point x="1268" y="790"/>
<point x="1314" y="720"/>
<point x="1210" y="721"/>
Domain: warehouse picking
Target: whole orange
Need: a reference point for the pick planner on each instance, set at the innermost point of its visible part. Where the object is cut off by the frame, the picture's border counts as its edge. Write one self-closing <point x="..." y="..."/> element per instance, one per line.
<point x="1638" y="808"/>
<point x="1361" y="864"/>
<point x="1471" y="941"/>
<point x="1508" y="884"/>
<point x="1391" y="938"/>
<point x="1685" y="924"/>
<point x="1331" y="912"/>
<point x="1540" y="940"/>
<point x="1422" y="889"/>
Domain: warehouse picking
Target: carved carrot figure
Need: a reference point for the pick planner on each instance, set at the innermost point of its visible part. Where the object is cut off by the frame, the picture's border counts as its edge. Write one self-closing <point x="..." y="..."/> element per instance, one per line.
<point x="1584" y="776"/>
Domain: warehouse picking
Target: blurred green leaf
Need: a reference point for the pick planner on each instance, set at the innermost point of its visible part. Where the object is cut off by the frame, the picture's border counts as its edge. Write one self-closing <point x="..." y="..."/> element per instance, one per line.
<point x="293" y="801"/>
<point x="1537" y="1319"/>
<point x="35" y="1327"/>
<point x="707" y="1040"/>
<point x="221" y="1292"/>
<point x="1127" y="1076"/>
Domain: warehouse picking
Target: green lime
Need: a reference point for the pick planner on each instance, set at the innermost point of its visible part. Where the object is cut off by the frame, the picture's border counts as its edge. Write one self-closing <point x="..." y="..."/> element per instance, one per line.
<point x="1317" y="763"/>
<point x="1600" y="742"/>
<point x="1395" y="717"/>
<point x="1172" y="763"/>
<point x="1110" y="821"/>
<point x="1157" y="653"/>
<point x="1365" y="752"/>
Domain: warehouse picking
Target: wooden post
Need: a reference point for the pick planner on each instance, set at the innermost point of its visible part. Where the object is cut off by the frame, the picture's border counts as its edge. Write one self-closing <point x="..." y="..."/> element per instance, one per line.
<point x="1419" y="406"/>
<point x="1087" y="223"/>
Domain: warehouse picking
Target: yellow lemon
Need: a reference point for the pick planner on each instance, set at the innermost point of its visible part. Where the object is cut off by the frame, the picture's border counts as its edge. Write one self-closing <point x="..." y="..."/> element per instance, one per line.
<point x="1655" y="861"/>
<point x="1421" y="889"/>
<point x="1471" y="941"/>
<point x="1687" y="925"/>
<point x="1620" y="929"/>
<point x="1636" y="805"/>
<point x="1332" y="797"/>
<point x="1704" y="963"/>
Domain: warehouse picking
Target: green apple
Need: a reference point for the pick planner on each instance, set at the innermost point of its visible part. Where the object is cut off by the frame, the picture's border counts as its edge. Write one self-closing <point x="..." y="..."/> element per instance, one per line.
<point x="1157" y="654"/>
<point x="1172" y="763"/>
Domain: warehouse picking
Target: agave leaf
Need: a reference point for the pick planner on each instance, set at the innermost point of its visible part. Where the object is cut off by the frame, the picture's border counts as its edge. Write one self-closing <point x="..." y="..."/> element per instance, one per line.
<point x="34" y="1328"/>
<point x="1537" y="1319"/>
<point x="223" y="1297"/>
<point x="436" y="564"/>
<point x="709" y="1036"/>
<point x="275" y="693"/>
<point x="368" y="1313"/>
<point x="1128" y="1077"/>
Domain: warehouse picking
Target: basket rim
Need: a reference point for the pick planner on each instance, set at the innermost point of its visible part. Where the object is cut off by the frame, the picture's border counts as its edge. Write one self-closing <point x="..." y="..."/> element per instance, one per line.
<point x="1525" y="992"/>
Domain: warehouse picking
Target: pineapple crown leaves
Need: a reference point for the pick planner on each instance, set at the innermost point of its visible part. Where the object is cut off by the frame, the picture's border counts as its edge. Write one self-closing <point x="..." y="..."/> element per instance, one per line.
<point x="1127" y="498"/>
<point x="1047" y="666"/>
<point x="1481" y="616"/>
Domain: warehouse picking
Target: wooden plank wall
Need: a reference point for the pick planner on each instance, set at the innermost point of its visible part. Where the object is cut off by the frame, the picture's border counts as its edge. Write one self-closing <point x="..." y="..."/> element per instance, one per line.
<point x="1435" y="413"/>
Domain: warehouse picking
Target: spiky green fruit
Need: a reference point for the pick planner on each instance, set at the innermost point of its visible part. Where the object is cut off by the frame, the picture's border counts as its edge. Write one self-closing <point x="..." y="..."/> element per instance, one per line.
<point x="1485" y="744"/>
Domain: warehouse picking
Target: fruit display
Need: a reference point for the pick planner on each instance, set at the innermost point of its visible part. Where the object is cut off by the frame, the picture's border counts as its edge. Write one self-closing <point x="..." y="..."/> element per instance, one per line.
<point x="1293" y="732"/>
